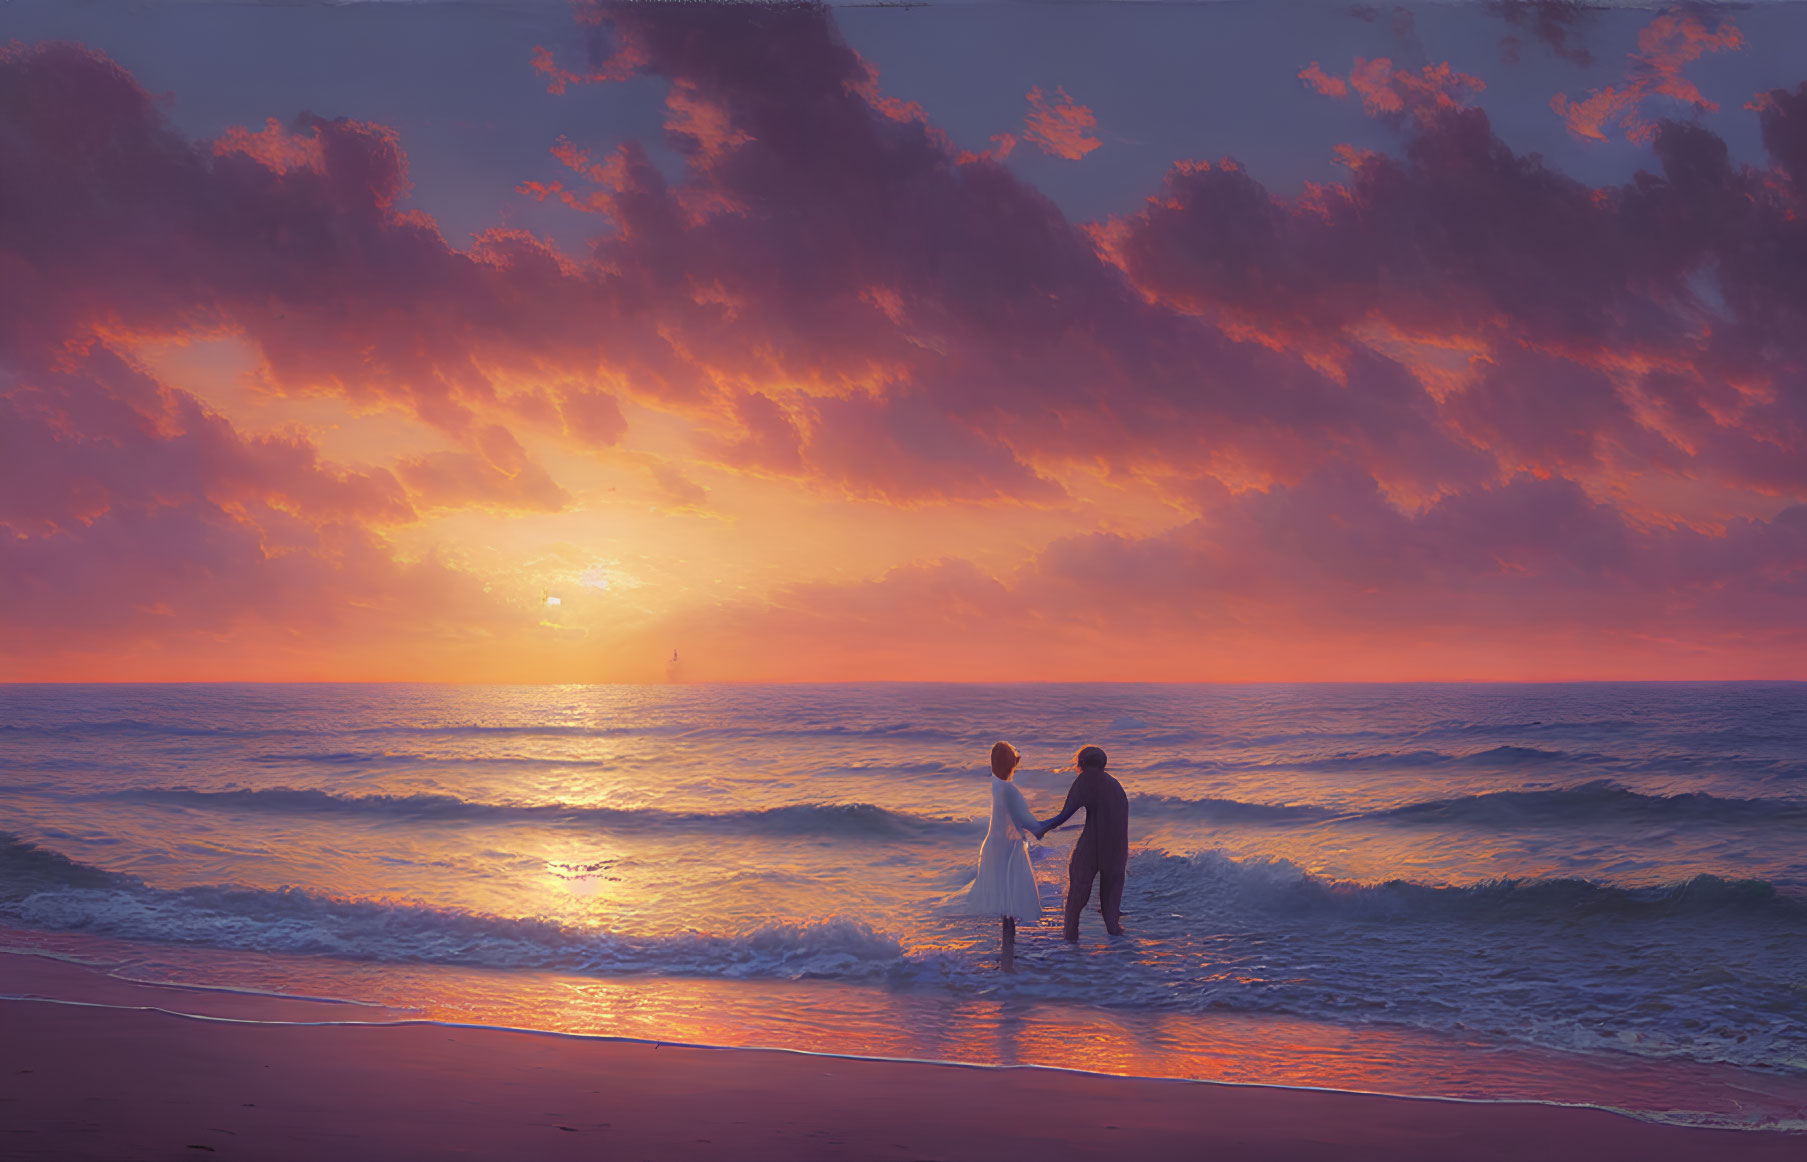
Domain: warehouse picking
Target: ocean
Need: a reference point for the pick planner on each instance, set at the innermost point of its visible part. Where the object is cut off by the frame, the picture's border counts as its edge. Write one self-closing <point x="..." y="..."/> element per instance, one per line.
<point x="1589" y="893"/>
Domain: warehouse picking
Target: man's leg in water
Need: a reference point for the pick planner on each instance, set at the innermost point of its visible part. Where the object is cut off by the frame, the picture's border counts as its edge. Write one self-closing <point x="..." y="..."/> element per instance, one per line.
<point x="1110" y="899"/>
<point x="1080" y="871"/>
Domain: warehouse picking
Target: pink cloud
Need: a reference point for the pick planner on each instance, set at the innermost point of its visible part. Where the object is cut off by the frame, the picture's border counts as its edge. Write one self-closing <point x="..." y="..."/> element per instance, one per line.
<point x="1674" y="39"/>
<point x="1314" y="75"/>
<point x="680" y="492"/>
<point x="498" y="473"/>
<point x="1525" y="556"/>
<point x="603" y="64"/>
<point x="273" y="147"/>
<point x="1060" y="127"/>
<point x="823" y="240"/>
<point x="298" y="239"/>
<point x="1386" y="91"/>
<point x="130" y="515"/>
<point x="906" y="448"/>
<point x="1620" y="329"/>
<point x="843" y="298"/>
<point x="1327" y="577"/>
<point x="134" y="518"/>
<point x="817" y="238"/>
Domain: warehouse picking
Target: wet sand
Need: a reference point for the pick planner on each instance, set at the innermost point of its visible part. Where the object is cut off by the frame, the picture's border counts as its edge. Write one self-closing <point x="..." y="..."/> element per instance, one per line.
<point x="103" y="1082"/>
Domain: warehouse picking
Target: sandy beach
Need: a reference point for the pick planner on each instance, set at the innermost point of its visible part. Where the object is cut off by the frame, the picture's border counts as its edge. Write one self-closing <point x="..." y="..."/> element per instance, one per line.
<point x="100" y="1079"/>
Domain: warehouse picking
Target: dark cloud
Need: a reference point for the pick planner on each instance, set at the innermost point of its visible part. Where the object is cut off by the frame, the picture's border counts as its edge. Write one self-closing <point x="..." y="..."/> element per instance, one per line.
<point x="1559" y="25"/>
<point x="930" y="302"/>
<point x="1660" y="317"/>
<point x="129" y="511"/>
<point x="296" y="239"/>
<point x="1396" y="402"/>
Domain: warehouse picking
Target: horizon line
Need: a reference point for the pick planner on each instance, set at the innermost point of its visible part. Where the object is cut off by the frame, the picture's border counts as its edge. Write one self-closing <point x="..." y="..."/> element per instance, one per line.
<point x="934" y="682"/>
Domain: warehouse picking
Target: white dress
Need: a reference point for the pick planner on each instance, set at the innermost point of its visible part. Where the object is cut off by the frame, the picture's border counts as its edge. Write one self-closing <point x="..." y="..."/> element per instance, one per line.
<point x="1005" y="886"/>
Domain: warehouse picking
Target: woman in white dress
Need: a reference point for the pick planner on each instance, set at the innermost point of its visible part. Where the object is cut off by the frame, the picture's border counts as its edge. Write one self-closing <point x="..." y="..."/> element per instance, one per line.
<point x="1005" y="885"/>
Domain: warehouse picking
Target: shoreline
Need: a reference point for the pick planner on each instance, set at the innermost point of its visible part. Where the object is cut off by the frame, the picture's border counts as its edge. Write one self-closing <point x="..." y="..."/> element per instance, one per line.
<point x="1746" y="1102"/>
<point x="1645" y="1116"/>
<point x="91" y="1080"/>
<point x="1047" y="682"/>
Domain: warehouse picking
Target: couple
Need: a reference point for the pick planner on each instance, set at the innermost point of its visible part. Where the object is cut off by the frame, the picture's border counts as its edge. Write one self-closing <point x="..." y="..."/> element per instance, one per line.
<point x="1005" y="885"/>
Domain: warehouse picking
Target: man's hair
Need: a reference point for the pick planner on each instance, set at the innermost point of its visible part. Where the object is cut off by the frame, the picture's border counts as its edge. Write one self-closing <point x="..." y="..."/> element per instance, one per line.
<point x="1004" y="753"/>
<point x="1090" y="758"/>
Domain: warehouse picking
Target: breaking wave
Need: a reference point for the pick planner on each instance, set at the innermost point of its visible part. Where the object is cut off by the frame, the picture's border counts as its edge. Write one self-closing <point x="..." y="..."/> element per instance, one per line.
<point x="1587" y="804"/>
<point x="851" y="819"/>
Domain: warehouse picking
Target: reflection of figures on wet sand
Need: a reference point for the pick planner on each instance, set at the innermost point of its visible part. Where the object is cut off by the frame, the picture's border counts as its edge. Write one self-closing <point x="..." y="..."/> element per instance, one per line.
<point x="1102" y="851"/>
<point x="1005" y="883"/>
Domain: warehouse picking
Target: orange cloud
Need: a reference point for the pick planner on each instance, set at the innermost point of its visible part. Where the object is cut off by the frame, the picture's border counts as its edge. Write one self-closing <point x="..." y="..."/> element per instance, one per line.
<point x="1326" y="578"/>
<point x="273" y="147"/>
<point x="133" y="518"/>
<point x="1061" y="127"/>
<point x="1314" y="75"/>
<point x="1674" y="39"/>
<point x="499" y="473"/>
<point x="1389" y="92"/>
<point x="827" y="293"/>
<point x="618" y="65"/>
<point x="1606" y="330"/>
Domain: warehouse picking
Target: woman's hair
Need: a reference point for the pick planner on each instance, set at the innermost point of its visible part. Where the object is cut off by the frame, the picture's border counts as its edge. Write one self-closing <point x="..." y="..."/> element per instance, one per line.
<point x="1006" y="756"/>
<point x="1089" y="758"/>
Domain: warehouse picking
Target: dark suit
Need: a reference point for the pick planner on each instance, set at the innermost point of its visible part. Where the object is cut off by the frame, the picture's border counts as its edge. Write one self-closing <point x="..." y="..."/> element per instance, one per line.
<point x="1102" y="851"/>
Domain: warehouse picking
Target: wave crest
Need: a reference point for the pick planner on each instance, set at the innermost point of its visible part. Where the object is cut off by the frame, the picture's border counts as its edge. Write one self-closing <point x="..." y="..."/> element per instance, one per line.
<point x="1596" y="801"/>
<point x="852" y="819"/>
<point x="1210" y="882"/>
<point x="44" y="889"/>
<point x="1602" y="801"/>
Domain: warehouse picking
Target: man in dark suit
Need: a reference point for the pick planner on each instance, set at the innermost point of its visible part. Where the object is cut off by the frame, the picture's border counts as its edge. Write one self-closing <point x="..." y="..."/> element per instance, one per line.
<point x="1103" y="848"/>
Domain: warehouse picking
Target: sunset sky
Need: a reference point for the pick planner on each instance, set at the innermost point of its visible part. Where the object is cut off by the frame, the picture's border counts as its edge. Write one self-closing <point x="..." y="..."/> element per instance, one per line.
<point x="533" y="342"/>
